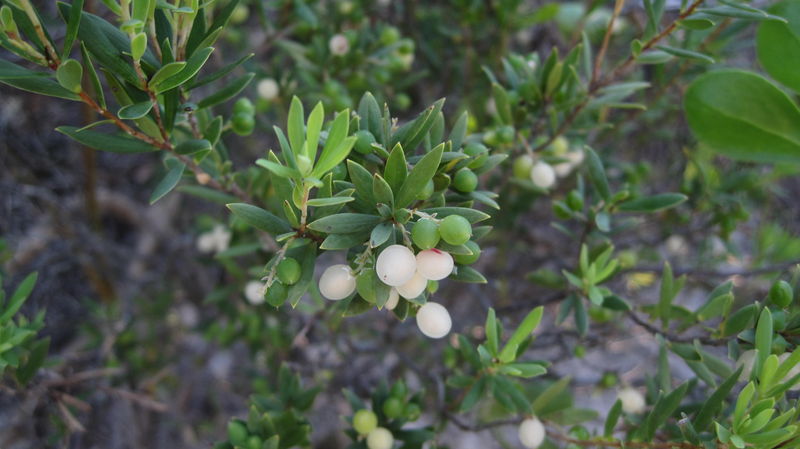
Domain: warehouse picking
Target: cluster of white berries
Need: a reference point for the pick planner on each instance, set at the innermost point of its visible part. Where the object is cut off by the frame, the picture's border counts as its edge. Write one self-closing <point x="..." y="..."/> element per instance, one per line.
<point x="339" y="45"/>
<point x="408" y="275"/>
<point x="632" y="400"/>
<point x="214" y="241"/>
<point x="532" y="433"/>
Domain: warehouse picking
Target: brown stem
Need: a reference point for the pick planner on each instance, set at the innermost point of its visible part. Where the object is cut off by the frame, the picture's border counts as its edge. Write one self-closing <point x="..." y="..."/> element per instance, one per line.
<point x="601" y="54"/>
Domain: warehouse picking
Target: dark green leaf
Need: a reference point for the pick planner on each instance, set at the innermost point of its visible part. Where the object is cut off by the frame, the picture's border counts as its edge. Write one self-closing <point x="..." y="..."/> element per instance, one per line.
<point x="259" y="218"/>
<point x="168" y="183"/>
<point x="115" y="143"/>
<point x="227" y="92"/>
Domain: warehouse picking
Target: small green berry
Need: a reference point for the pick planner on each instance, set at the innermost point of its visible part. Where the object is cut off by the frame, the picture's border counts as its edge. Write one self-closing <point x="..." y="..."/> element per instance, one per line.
<point x="781" y="294"/>
<point x="412" y="412"/>
<point x="254" y="442"/>
<point x="559" y="146"/>
<point x="365" y="421"/>
<point x="465" y="180"/>
<point x="455" y="229"/>
<point x="469" y="259"/>
<point x="522" y="167"/>
<point x="244" y="105"/>
<point x="389" y="35"/>
<point x="237" y="433"/>
<point x="289" y="271"/>
<point x="243" y="123"/>
<point x="364" y="141"/>
<point x="506" y="134"/>
<point x="339" y="172"/>
<point x="425" y="233"/>
<point x="276" y="294"/>
<point x="393" y="408"/>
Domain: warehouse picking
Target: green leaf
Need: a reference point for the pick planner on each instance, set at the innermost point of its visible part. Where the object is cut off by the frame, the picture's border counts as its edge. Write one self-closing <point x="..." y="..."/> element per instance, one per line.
<point x="597" y="174"/>
<point x="459" y="131"/>
<point x="40" y="85"/>
<point x="653" y="203"/>
<point x="422" y="172"/>
<point x="9" y="70"/>
<point x="663" y="410"/>
<point x="763" y="343"/>
<point x="380" y="234"/>
<point x="346" y="223"/>
<point x="189" y="70"/>
<point x="168" y="183"/>
<point x="93" y="78"/>
<point x="307" y="255"/>
<point x="165" y="72"/>
<point x="684" y="53"/>
<point x="73" y="23"/>
<point x="370" y="114"/>
<point x="778" y="45"/>
<point x="744" y="116"/>
<point x="490" y="329"/>
<point x="227" y="92"/>
<point x="472" y="215"/>
<point x="314" y="128"/>
<point x="208" y="194"/>
<point x="295" y="125"/>
<point x="612" y="418"/>
<point x="18" y="298"/>
<point x="135" y="111"/>
<point x="740" y="320"/>
<point x="69" y="75"/>
<point x="468" y="274"/>
<point x="411" y="134"/>
<point x="193" y="146"/>
<point x="259" y="218"/>
<point x="278" y="169"/>
<point x="115" y="143"/>
<point x="332" y="201"/>
<point x="472" y="396"/>
<point x="523" y="331"/>
<point x="217" y="74"/>
<point x="503" y="105"/>
<point x="396" y="168"/>
<point x="337" y="147"/>
<point x="713" y="404"/>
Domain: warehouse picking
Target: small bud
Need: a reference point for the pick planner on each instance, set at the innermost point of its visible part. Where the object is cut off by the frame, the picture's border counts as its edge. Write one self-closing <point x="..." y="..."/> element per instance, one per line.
<point x="203" y="178"/>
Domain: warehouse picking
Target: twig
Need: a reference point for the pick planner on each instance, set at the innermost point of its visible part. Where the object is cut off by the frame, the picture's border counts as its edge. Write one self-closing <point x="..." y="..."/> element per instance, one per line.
<point x="672" y="337"/>
<point x="695" y="271"/>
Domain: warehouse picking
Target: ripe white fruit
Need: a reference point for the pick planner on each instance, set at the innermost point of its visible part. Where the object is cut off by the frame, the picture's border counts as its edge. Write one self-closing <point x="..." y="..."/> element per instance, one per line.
<point x="632" y="400"/>
<point x="268" y="89"/>
<point x="254" y="292"/>
<point x="543" y="175"/>
<point x="214" y="241"/>
<point x="575" y="157"/>
<point x="337" y="282"/>
<point x="339" y="45"/>
<point x="396" y="265"/>
<point x="394" y="299"/>
<point x="433" y="320"/>
<point x="531" y="433"/>
<point x="434" y="265"/>
<point x="414" y="287"/>
<point x="563" y="169"/>
<point x="380" y="438"/>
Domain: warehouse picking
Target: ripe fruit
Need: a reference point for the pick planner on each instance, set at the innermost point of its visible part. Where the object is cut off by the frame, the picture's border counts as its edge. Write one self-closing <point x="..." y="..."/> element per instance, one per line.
<point x="337" y="282"/>
<point x="289" y="271"/>
<point x="380" y="438"/>
<point x="393" y="408"/>
<point x="464" y="259"/>
<point x="522" y="167"/>
<point x="396" y="265"/>
<point x="276" y="294"/>
<point x="364" y="141"/>
<point x="394" y="299"/>
<point x="543" y="175"/>
<point x="632" y="400"/>
<point x="455" y="229"/>
<point x="339" y="45"/>
<point x="434" y="264"/>
<point x="425" y="233"/>
<point x="254" y="292"/>
<point x="243" y="123"/>
<point x="365" y="421"/>
<point x="433" y="320"/>
<point x="426" y="191"/>
<point x="465" y="180"/>
<point x="531" y="433"/>
<point x="268" y="89"/>
<point x="413" y="287"/>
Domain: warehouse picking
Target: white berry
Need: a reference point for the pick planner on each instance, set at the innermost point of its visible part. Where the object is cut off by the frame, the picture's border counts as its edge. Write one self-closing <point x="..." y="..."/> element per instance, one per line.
<point x="575" y="157"/>
<point x="434" y="264"/>
<point x="254" y="292"/>
<point x="414" y="287"/>
<point x="433" y="320"/>
<point x="543" y="175"/>
<point x="531" y="433"/>
<point x="632" y="400"/>
<point x="563" y="169"/>
<point x="268" y="89"/>
<point x="337" y="282"/>
<point x="380" y="438"/>
<point x="214" y="241"/>
<point x="394" y="299"/>
<point x="339" y="45"/>
<point x="396" y="265"/>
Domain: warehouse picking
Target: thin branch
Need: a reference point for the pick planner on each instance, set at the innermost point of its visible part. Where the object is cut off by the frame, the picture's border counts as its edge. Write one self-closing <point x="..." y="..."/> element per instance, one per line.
<point x="697" y="271"/>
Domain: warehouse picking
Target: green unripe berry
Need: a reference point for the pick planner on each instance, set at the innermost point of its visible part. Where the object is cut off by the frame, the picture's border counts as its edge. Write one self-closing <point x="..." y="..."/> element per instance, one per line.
<point x="465" y="180"/>
<point x="781" y="294"/>
<point x="243" y="123"/>
<point x="339" y="172"/>
<point x="402" y="101"/>
<point x="412" y="412"/>
<point x="254" y="442"/>
<point x="522" y="167"/>
<point x="364" y="141"/>
<point x="506" y="134"/>
<point x="276" y="294"/>
<point x="426" y="191"/>
<point x="365" y="421"/>
<point x="559" y="146"/>
<point x="237" y="433"/>
<point x="464" y="259"/>
<point x="304" y="164"/>
<point x="399" y="390"/>
<point x="405" y="46"/>
<point x="389" y="35"/>
<point x="575" y="200"/>
<point x="239" y="14"/>
<point x="393" y="408"/>
<point x="425" y="234"/>
<point x="289" y="271"/>
<point x="490" y="138"/>
<point x="244" y="105"/>
<point x="778" y="320"/>
<point x="455" y="229"/>
<point x="432" y="287"/>
<point x="478" y="152"/>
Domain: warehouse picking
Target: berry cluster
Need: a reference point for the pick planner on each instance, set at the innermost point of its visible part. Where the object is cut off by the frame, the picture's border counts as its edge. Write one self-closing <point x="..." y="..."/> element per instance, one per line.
<point x="243" y="120"/>
<point x="543" y="174"/>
